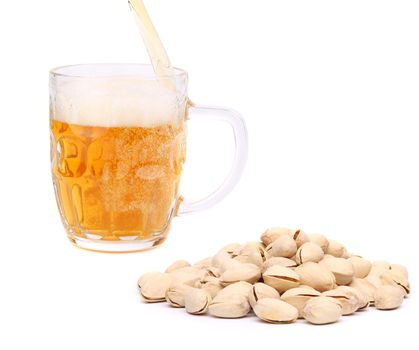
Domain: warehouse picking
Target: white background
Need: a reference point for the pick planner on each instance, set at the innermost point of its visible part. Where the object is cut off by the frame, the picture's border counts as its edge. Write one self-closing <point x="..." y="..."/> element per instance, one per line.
<point x="329" y="91"/>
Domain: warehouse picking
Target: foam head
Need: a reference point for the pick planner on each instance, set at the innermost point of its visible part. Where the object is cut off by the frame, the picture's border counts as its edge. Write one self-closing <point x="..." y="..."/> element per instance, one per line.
<point x="128" y="96"/>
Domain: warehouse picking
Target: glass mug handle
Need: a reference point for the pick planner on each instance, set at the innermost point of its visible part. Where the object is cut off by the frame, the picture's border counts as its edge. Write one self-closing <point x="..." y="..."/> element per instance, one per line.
<point x="238" y="125"/>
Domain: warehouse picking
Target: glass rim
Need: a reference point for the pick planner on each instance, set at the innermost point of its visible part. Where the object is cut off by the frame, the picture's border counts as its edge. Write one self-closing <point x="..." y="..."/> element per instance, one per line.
<point x="148" y="74"/>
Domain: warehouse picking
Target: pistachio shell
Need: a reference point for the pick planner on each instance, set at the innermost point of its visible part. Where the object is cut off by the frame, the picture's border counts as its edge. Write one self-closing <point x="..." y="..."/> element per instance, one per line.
<point x="347" y="298"/>
<point x="281" y="278"/>
<point x="261" y="291"/>
<point x="252" y="258"/>
<point x="146" y="276"/>
<point x="175" y="295"/>
<point x="177" y="265"/>
<point x="362" y="267"/>
<point x="316" y="276"/>
<point x="197" y="301"/>
<point x="341" y="268"/>
<point x="271" y="234"/>
<point x="322" y="310"/>
<point x="228" y="264"/>
<point x="381" y="264"/>
<point x="377" y="269"/>
<point x="239" y="288"/>
<point x="320" y="240"/>
<point x="203" y="263"/>
<point x="300" y="237"/>
<point x="283" y="246"/>
<point x="388" y="297"/>
<point x="229" y="306"/>
<point x="207" y="273"/>
<point x="298" y="297"/>
<point x="274" y="310"/>
<point x="364" y="286"/>
<point x="395" y="279"/>
<point x="231" y="248"/>
<point x="375" y="279"/>
<point x="252" y="247"/>
<point x="220" y="258"/>
<point x="242" y="272"/>
<point x="336" y="249"/>
<point x="362" y="297"/>
<point x="276" y="260"/>
<point x="212" y="286"/>
<point x="309" y="252"/>
<point x="186" y="275"/>
<point x="400" y="270"/>
<point x="154" y="287"/>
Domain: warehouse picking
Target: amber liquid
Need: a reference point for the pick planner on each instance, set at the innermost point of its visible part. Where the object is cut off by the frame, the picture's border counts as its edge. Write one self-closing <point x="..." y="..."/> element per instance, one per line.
<point x="117" y="182"/>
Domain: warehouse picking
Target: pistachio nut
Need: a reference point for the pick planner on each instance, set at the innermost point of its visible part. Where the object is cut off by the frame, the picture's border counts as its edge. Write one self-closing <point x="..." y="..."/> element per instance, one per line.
<point x="347" y="298"/>
<point x="203" y="263"/>
<point x="281" y="278"/>
<point x="381" y="264"/>
<point x="309" y="252"/>
<point x="228" y="264"/>
<point x="212" y="286"/>
<point x="252" y="247"/>
<point x="177" y="265"/>
<point x="274" y="310"/>
<point x="261" y="291"/>
<point x="277" y="260"/>
<point x="395" y="279"/>
<point x="220" y="258"/>
<point x="284" y="246"/>
<point x="378" y="268"/>
<point x="271" y="234"/>
<point x="316" y="276"/>
<point x="300" y="237"/>
<point x="347" y="255"/>
<point x="186" y="275"/>
<point x="320" y="240"/>
<point x="146" y="276"/>
<point x="362" y="267"/>
<point x="209" y="271"/>
<point x="341" y="268"/>
<point x="322" y="310"/>
<point x="239" y="288"/>
<point x="197" y="301"/>
<point x="175" y="295"/>
<point x="364" y="286"/>
<point x="400" y="270"/>
<point x="299" y="296"/>
<point x="242" y="272"/>
<point x="375" y="279"/>
<point x="253" y="258"/>
<point x="229" y="306"/>
<point x="336" y="249"/>
<point x="388" y="297"/>
<point x="231" y="249"/>
<point x="362" y="297"/>
<point x="154" y="287"/>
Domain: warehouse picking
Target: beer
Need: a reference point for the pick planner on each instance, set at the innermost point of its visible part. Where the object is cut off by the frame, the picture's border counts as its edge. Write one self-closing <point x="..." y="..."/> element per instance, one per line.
<point x="117" y="181"/>
<point x="118" y="146"/>
<point x="158" y="55"/>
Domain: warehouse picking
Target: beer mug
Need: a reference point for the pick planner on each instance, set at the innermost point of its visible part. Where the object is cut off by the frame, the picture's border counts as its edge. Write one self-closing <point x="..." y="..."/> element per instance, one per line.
<point x="118" y="144"/>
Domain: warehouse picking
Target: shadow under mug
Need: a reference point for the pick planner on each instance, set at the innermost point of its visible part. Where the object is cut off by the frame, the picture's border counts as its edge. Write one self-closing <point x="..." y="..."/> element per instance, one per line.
<point x="118" y="144"/>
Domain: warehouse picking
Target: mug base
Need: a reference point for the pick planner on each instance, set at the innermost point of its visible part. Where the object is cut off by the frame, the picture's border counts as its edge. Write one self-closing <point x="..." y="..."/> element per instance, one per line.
<point x="122" y="246"/>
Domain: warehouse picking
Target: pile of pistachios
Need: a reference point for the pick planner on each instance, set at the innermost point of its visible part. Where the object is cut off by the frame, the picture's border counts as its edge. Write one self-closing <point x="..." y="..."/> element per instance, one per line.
<point x="287" y="275"/>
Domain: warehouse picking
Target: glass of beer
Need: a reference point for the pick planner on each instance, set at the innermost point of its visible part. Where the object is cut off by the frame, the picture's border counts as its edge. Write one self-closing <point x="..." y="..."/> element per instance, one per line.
<point x="118" y="145"/>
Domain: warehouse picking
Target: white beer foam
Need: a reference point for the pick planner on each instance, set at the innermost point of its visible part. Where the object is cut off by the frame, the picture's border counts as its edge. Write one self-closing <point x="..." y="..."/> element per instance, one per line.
<point x="110" y="102"/>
